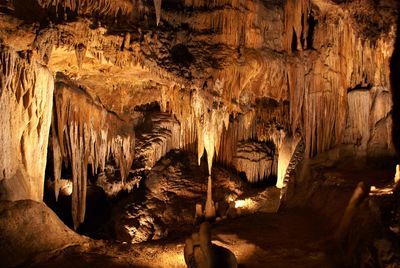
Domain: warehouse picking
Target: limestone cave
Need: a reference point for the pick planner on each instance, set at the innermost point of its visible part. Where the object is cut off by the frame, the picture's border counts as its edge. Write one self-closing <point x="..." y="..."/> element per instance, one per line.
<point x="200" y="133"/>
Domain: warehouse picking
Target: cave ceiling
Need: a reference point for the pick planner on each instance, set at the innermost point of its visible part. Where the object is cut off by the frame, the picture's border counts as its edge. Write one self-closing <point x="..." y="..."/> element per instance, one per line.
<point x="298" y="67"/>
<point x="117" y="53"/>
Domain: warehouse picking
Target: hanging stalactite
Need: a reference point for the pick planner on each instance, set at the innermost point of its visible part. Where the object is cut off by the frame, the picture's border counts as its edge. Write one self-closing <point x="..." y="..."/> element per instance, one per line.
<point x="157" y="7"/>
<point x="85" y="133"/>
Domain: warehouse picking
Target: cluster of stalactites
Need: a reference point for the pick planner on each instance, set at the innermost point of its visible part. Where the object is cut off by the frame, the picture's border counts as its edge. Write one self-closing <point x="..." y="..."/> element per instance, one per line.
<point x="84" y="133"/>
<point x="211" y="3"/>
<point x="296" y="23"/>
<point x="241" y="128"/>
<point x="239" y="141"/>
<point x="318" y="88"/>
<point x="108" y="8"/>
<point x="202" y="119"/>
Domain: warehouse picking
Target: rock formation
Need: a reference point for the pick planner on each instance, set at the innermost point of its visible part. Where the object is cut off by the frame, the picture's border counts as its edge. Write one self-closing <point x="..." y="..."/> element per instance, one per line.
<point x="200" y="252"/>
<point x="359" y="195"/>
<point x="44" y="233"/>
<point x="85" y="133"/>
<point x="25" y="103"/>
<point x="244" y="84"/>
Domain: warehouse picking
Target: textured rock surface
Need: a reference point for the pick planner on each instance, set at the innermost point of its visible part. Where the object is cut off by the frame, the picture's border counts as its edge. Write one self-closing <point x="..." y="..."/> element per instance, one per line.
<point x="162" y="137"/>
<point x="172" y="189"/>
<point x="85" y="133"/>
<point x="25" y="105"/>
<point x="256" y="160"/>
<point x="207" y="62"/>
<point x="225" y="73"/>
<point x="29" y="228"/>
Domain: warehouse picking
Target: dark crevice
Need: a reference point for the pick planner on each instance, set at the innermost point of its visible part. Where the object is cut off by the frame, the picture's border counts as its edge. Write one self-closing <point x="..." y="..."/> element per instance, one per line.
<point x="294" y="41"/>
<point x="302" y="39"/>
<point x="312" y="23"/>
<point x="361" y="87"/>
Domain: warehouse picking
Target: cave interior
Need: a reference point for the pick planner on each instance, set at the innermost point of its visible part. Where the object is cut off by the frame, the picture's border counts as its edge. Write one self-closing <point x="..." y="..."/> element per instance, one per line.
<point x="199" y="133"/>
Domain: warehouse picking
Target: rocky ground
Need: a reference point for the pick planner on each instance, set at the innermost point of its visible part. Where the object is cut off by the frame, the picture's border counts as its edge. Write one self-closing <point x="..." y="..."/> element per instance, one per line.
<point x="165" y="204"/>
<point x="295" y="236"/>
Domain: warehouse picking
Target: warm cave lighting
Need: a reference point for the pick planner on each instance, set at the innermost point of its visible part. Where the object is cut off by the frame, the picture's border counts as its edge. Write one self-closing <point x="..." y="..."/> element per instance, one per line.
<point x="66" y="187"/>
<point x="245" y="204"/>
<point x="381" y="191"/>
<point x="199" y="133"/>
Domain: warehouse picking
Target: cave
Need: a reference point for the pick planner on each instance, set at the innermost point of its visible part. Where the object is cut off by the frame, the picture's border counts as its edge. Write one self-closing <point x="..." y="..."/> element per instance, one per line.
<point x="193" y="133"/>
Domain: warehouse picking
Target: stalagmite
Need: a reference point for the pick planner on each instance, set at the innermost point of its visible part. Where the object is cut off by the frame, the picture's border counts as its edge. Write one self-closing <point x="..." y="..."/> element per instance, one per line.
<point x="285" y="152"/>
<point x="397" y="175"/>
<point x="359" y="195"/>
<point x="210" y="207"/>
<point x="80" y="52"/>
<point x="199" y="251"/>
<point x="87" y="134"/>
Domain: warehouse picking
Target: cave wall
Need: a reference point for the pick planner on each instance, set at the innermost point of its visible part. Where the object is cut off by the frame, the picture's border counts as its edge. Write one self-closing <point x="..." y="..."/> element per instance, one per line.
<point x="321" y="51"/>
<point x="25" y="105"/>
<point x="323" y="66"/>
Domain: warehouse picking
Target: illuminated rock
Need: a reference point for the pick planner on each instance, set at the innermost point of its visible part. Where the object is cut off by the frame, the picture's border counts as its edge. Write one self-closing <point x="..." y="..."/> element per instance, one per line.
<point x="157" y="142"/>
<point x="256" y="160"/>
<point x="85" y="133"/>
<point x="285" y="154"/>
<point x="25" y="104"/>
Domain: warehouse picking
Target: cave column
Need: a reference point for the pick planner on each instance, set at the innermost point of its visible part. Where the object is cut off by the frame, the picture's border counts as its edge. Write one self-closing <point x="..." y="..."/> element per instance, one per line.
<point x="26" y="100"/>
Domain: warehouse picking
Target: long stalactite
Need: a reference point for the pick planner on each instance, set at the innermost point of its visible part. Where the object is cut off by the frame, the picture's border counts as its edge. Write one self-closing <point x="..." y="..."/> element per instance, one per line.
<point x="85" y="133"/>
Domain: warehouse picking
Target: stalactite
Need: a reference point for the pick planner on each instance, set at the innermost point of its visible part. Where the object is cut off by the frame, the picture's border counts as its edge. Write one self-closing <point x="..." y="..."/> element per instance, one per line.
<point x="57" y="159"/>
<point x="296" y="23"/>
<point x="88" y="134"/>
<point x="157" y="7"/>
<point x="368" y="125"/>
<point x="106" y="8"/>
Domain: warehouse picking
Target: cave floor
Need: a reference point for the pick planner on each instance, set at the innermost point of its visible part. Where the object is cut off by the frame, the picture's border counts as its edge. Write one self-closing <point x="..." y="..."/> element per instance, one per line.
<point x="293" y="238"/>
